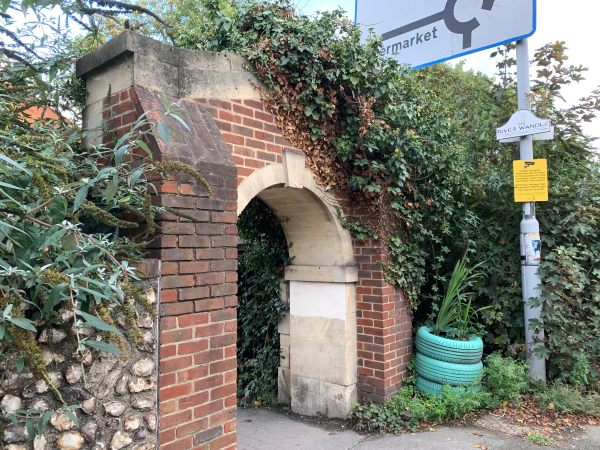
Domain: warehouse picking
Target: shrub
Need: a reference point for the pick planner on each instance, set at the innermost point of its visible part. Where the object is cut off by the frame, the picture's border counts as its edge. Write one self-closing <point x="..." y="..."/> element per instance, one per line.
<point x="579" y="374"/>
<point x="504" y="378"/>
<point x="567" y="399"/>
<point x="70" y="229"/>
<point x="408" y="409"/>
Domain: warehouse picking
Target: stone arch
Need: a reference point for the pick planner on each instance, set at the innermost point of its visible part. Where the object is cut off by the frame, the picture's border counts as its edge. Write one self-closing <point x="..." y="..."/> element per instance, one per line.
<point x="317" y="374"/>
<point x="286" y="186"/>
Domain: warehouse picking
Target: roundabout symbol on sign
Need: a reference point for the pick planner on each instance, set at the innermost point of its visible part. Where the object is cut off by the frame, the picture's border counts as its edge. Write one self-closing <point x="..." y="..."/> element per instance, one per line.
<point x="448" y="15"/>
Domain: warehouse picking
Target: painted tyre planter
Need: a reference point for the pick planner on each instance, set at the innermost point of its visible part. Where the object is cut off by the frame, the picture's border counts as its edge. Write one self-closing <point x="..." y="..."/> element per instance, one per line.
<point x="441" y="361"/>
<point x="449" y="350"/>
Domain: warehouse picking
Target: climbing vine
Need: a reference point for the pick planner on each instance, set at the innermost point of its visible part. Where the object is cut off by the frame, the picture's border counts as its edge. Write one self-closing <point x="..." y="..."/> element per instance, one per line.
<point x="418" y="148"/>
<point x="369" y="128"/>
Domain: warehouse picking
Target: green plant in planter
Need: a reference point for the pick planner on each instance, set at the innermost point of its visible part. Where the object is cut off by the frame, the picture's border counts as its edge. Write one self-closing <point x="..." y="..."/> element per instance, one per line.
<point x="455" y="318"/>
<point x="449" y="352"/>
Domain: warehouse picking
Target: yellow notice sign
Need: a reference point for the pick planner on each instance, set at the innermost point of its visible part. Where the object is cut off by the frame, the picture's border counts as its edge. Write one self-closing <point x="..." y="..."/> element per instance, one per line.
<point x="531" y="180"/>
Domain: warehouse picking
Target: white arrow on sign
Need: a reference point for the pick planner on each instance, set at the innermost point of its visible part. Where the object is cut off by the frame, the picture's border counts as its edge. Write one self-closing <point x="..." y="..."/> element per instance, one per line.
<point x="523" y="123"/>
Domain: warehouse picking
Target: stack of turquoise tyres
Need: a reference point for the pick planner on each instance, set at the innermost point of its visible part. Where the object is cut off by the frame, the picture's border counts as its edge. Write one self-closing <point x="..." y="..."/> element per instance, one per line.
<point x="441" y="361"/>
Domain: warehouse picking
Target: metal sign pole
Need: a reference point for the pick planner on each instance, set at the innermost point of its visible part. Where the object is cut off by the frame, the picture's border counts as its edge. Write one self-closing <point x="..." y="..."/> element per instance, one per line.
<point x="530" y="235"/>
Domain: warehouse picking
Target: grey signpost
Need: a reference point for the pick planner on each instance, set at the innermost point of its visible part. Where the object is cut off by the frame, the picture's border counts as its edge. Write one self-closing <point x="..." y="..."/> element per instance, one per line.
<point x="421" y="33"/>
<point x="524" y="127"/>
<point x="530" y="227"/>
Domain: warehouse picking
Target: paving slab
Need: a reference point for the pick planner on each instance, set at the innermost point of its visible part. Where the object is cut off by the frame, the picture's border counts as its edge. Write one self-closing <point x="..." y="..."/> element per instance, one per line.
<point x="263" y="429"/>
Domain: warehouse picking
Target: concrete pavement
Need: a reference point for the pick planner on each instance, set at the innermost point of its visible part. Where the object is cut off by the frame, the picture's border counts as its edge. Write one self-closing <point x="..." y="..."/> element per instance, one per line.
<point x="263" y="429"/>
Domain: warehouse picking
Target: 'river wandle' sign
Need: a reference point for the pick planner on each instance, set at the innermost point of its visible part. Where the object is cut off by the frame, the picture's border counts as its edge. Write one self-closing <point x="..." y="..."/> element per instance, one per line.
<point x="523" y="123"/>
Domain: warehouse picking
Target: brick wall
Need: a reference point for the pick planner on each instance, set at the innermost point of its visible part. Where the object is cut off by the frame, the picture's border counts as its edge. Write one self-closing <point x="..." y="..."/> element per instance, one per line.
<point x="249" y="132"/>
<point x="384" y="328"/>
<point x="198" y="365"/>
<point x="199" y="261"/>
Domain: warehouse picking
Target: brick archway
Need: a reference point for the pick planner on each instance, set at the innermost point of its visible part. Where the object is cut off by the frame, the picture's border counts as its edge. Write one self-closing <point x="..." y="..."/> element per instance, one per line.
<point x="237" y="145"/>
<point x="318" y="371"/>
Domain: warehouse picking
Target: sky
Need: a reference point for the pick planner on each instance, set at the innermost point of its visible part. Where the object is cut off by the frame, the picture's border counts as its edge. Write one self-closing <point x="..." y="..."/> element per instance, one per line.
<point x="572" y="21"/>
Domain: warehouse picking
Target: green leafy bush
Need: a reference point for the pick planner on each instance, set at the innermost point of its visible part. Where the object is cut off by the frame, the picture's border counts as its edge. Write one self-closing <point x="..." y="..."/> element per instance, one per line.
<point x="566" y="399"/>
<point x="262" y="256"/>
<point x="73" y="223"/>
<point x="70" y="229"/>
<point x="579" y="375"/>
<point x="505" y="379"/>
<point x="409" y="409"/>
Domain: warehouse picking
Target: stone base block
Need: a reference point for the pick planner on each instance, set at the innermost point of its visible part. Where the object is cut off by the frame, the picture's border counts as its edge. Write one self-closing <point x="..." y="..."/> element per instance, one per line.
<point x="283" y="386"/>
<point x="284" y="351"/>
<point x="313" y="397"/>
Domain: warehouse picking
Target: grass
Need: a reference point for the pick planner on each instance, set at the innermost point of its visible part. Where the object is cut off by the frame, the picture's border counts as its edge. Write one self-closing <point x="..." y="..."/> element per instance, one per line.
<point x="535" y="437"/>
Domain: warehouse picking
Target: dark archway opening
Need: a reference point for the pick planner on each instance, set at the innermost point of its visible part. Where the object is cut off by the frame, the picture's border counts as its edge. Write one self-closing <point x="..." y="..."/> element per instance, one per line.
<point x="262" y="257"/>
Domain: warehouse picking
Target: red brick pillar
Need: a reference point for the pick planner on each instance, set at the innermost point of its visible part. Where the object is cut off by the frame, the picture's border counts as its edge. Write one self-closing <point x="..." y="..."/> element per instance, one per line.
<point x="384" y="326"/>
<point x="198" y="323"/>
<point x="198" y="319"/>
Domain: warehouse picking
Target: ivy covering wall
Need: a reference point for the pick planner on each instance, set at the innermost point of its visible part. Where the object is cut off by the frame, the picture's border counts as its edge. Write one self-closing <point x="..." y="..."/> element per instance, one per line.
<point x="419" y="148"/>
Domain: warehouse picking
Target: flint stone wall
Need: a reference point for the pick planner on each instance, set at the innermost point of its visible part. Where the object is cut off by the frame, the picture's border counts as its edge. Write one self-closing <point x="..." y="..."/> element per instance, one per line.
<point x="117" y="397"/>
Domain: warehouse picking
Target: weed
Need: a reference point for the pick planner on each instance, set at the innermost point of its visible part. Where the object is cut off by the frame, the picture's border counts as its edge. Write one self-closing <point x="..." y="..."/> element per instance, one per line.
<point x="535" y="437"/>
<point x="408" y="409"/>
<point x="578" y="375"/>
<point x="504" y="378"/>
<point x="566" y="399"/>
